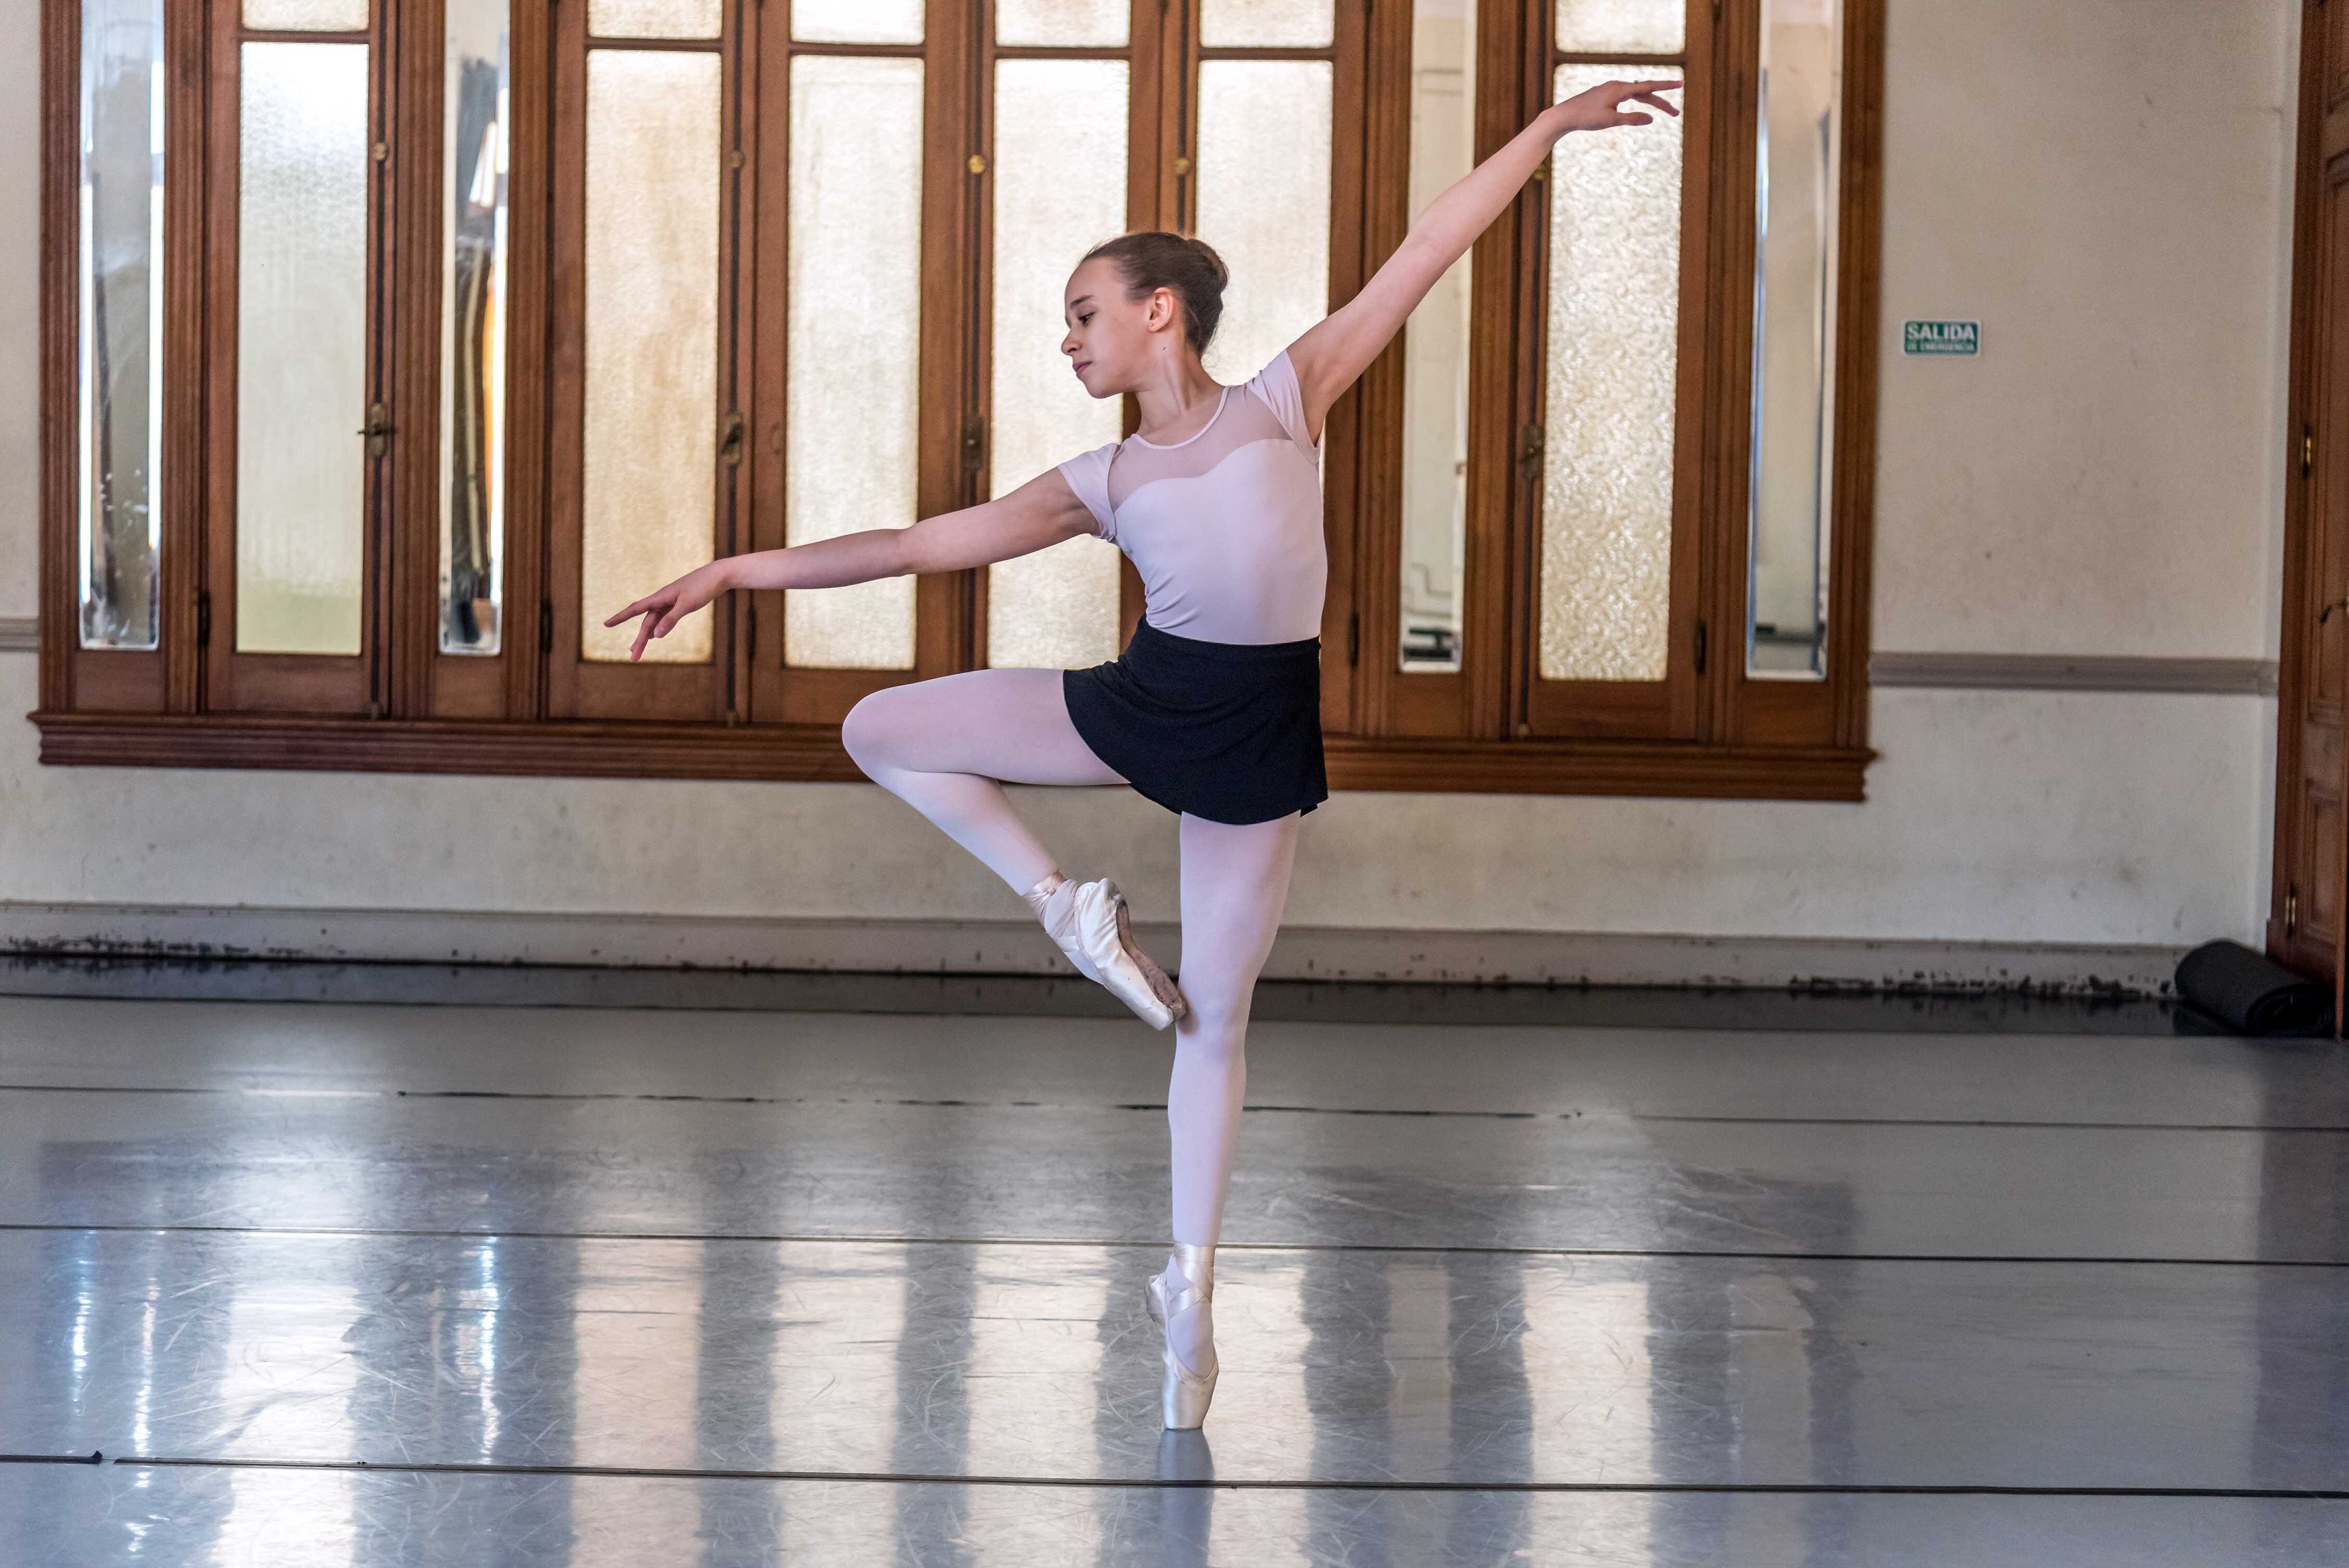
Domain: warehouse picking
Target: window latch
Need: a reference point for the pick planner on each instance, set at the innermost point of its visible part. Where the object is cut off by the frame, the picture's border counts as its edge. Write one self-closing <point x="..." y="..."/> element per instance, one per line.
<point x="377" y="429"/>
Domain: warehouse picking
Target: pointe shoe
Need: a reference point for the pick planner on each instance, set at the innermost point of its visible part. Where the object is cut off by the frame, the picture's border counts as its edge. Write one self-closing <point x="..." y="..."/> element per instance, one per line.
<point x="1183" y="1394"/>
<point x="1090" y="923"/>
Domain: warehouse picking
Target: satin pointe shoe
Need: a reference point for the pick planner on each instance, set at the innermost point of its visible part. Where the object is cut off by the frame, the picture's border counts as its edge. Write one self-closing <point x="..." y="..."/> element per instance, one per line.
<point x="1090" y="923"/>
<point x="1188" y="1281"/>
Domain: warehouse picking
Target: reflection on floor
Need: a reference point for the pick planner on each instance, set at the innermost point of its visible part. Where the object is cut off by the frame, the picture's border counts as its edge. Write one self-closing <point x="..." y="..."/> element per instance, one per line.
<point x="370" y="1284"/>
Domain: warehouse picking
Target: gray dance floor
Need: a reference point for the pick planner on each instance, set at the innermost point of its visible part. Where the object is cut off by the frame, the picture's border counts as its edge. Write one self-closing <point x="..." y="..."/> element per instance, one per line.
<point x="304" y="1283"/>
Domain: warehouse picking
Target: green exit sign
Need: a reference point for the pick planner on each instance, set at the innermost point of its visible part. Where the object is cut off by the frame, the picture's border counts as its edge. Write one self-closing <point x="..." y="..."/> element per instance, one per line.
<point x="1942" y="337"/>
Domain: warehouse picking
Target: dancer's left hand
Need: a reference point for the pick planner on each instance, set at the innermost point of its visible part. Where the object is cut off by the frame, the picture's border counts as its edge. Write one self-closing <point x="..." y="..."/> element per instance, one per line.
<point x="1600" y="107"/>
<point x="663" y="607"/>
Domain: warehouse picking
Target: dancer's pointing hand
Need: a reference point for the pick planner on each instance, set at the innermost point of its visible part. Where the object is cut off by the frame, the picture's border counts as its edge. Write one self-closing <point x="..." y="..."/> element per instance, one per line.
<point x="665" y="606"/>
<point x="1601" y="106"/>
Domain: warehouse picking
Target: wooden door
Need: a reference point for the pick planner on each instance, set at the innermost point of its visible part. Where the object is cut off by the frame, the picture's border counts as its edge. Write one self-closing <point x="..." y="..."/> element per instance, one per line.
<point x="2305" y="926"/>
<point x="290" y="616"/>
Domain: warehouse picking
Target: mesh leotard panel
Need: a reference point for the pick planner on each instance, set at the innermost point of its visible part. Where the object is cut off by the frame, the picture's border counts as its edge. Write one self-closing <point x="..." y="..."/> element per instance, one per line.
<point x="1225" y="526"/>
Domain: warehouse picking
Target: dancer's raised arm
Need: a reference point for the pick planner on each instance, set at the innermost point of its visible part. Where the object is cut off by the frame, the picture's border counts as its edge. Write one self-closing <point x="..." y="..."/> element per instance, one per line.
<point x="1333" y="352"/>
<point x="1042" y="511"/>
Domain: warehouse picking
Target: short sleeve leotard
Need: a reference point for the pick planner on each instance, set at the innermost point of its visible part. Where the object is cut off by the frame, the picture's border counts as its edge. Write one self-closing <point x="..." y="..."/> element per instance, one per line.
<point x="1224" y="526"/>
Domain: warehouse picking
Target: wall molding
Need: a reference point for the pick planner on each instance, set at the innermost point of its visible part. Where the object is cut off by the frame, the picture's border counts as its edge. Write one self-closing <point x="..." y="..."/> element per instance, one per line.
<point x="2074" y="672"/>
<point x="1015" y="947"/>
<point x="20" y="633"/>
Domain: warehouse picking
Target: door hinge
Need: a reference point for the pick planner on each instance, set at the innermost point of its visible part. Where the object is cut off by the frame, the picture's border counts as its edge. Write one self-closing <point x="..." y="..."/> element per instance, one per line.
<point x="2292" y="909"/>
<point x="1529" y="450"/>
<point x="1354" y="638"/>
<point x="974" y="442"/>
<point x="377" y="429"/>
<point x="546" y="625"/>
<point x="730" y="437"/>
<point x="205" y="619"/>
<point x="2307" y="450"/>
<point x="1702" y="639"/>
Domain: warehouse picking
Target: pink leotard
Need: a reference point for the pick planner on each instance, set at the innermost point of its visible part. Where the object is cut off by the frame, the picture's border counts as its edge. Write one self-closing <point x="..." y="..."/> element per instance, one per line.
<point x="1225" y="526"/>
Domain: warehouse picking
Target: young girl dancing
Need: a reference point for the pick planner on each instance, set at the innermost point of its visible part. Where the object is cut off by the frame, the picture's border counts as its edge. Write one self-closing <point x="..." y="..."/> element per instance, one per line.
<point x="1213" y="709"/>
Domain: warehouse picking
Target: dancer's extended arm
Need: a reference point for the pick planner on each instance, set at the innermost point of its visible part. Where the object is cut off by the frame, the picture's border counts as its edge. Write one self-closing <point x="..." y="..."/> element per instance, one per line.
<point x="1333" y="352"/>
<point x="1042" y="511"/>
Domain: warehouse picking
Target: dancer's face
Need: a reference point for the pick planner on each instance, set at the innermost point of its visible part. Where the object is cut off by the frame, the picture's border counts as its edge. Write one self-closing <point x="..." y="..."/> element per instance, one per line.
<point x="1113" y="341"/>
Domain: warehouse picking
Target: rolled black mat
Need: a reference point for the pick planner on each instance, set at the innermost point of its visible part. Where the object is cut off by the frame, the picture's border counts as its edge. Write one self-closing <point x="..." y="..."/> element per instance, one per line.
<point x="2253" y="993"/>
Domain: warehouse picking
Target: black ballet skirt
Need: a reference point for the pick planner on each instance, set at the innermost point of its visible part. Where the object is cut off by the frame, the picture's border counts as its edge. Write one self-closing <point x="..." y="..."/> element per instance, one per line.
<point x="1228" y="731"/>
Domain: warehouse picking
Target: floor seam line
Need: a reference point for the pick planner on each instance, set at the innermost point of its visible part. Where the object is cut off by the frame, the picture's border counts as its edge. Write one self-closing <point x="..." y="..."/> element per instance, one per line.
<point x="650" y="1472"/>
<point x="950" y="1103"/>
<point x="354" y="1232"/>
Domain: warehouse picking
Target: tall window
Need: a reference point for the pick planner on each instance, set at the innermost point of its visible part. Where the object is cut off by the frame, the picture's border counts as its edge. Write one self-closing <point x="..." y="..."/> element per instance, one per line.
<point x="501" y="315"/>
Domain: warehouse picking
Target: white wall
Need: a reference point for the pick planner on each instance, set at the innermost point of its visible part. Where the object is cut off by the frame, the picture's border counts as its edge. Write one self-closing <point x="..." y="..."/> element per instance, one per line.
<point x="2101" y="182"/>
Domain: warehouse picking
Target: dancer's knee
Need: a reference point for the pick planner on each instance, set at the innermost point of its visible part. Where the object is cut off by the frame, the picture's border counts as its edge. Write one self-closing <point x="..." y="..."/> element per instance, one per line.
<point x="1218" y="1024"/>
<point x="868" y="731"/>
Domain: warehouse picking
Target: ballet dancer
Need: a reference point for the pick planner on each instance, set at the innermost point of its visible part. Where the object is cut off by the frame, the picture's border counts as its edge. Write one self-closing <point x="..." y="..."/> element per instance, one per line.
<point x="1213" y="710"/>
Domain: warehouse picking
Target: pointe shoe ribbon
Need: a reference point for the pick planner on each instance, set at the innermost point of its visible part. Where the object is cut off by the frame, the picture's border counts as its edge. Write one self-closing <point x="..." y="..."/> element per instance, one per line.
<point x="1184" y="1395"/>
<point x="1090" y="923"/>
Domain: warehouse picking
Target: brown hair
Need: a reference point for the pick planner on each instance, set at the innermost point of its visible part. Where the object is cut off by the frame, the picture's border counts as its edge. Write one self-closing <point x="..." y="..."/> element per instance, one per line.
<point x="1155" y="259"/>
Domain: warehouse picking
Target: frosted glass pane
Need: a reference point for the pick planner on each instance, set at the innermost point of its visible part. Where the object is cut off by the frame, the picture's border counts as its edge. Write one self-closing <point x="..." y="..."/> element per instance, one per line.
<point x="120" y="342"/>
<point x="1622" y="28"/>
<point x="857" y="21"/>
<point x="301" y="346"/>
<point x="1794" y="342"/>
<point x="307" y="15"/>
<point x="1264" y="203"/>
<point x="474" y="328"/>
<point x="1069" y="24"/>
<point x="649" y="482"/>
<point x="1060" y="189"/>
<point x="1606" y="474"/>
<point x="855" y="344"/>
<point x="1435" y="347"/>
<point x="1239" y="24"/>
<point x="654" y="19"/>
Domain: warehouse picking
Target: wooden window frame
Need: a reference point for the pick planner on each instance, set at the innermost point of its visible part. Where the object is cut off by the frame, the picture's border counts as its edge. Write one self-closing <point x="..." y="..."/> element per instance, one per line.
<point x="1480" y="730"/>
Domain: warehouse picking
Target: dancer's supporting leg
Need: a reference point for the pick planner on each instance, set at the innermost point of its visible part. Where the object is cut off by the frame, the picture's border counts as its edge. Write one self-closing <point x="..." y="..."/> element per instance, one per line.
<point x="1234" y="885"/>
<point x="940" y="746"/>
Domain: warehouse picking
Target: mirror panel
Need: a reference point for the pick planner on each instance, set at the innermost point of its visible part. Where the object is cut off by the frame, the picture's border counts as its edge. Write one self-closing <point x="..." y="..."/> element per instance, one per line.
<point x="475" y="116"/>
<point x="1435" y="346"/>
<point x="1795" y="238"/>
<point x="119" y="332"/>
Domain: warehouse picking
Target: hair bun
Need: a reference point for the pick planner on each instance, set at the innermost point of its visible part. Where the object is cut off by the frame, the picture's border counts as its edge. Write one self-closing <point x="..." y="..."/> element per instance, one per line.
<point x="1207" y="252"/>
<point x="1151" y="259"/>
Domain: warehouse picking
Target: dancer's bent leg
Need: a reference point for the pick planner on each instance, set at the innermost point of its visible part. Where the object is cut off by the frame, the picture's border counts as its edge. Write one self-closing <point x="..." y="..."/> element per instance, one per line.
<point x="941" y="746"/>
<point x="1235" y="886"/>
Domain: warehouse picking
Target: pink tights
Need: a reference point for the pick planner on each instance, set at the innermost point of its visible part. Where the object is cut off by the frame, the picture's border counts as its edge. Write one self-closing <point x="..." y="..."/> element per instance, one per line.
<point x="947" y="746"/>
